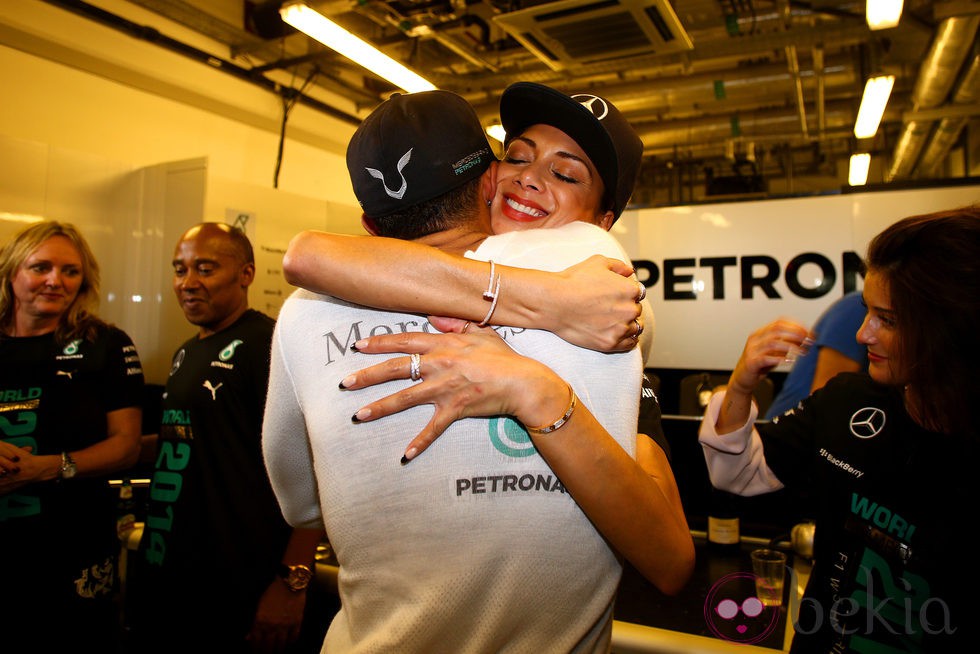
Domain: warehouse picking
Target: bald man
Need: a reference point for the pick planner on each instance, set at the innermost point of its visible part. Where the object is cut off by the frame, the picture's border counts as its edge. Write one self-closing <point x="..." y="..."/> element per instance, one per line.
<point x="217" y="564"/>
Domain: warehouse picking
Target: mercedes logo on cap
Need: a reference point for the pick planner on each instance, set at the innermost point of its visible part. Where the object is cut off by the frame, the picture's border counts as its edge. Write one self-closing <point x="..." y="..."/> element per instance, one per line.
<point x="867" y="422"/>
<point x="593" y="103"/>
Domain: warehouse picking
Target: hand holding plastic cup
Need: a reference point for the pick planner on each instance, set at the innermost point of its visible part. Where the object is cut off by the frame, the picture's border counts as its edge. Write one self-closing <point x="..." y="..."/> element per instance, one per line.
<point x="797" y="351"/>
<point x="769" y="567"/>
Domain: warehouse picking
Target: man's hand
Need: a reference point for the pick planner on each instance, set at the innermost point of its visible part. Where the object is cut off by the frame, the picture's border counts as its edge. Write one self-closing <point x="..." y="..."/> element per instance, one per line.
<point x="278" y="619"/>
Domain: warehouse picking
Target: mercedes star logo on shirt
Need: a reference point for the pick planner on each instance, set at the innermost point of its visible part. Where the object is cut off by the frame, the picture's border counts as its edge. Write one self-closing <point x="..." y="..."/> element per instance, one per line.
<point x="867" y="422"/>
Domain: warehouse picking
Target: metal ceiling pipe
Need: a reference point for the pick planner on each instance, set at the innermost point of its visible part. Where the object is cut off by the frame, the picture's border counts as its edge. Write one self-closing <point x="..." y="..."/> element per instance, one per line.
<point x="818" y="69"/>
<point x="756" y="124"/>
<point x="745" y="47"/>
<point x="794" y="70"/>
<point x="719" y="150"/>
<point x="949" y="129"/>
<point x="759" y="85"/>
<point x="954" y="38"/>
<point x="907" y="149"/>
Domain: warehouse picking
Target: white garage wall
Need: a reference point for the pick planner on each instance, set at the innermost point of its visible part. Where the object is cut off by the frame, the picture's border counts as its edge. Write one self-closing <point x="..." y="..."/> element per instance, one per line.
<point x="702" y="324"/>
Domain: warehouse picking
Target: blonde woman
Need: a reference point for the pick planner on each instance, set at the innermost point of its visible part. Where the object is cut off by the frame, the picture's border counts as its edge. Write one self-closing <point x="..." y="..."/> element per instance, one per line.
<point x="71" y="388"/>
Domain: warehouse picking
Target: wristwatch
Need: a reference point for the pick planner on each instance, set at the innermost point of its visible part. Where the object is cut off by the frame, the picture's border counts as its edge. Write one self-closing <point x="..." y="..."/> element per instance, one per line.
<point x="68" y="468"/>
<point x="296" y="577"/>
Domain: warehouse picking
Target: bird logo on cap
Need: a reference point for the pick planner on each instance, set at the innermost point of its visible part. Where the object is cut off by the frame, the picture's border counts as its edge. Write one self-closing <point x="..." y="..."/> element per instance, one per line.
<point x="596" y="105"/>
<point x="377" y="174"/>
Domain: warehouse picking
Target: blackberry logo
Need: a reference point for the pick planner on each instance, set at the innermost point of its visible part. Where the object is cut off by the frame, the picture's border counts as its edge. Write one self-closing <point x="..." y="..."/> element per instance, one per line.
<point x="867" y="422"/>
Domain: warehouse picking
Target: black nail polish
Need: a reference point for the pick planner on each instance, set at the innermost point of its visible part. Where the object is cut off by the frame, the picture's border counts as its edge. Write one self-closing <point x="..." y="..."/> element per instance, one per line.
<point x="354" y="419"/>
<point x="405" y="460"/>
<point x="353" y="346"/>
<point x="341" y="386"/>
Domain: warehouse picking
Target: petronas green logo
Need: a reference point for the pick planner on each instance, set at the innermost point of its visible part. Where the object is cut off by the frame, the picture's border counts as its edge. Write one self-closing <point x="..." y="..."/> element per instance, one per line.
<point x="510" y="438"/>
<point x="229" y="350"/>
<point x="72" y="348"/>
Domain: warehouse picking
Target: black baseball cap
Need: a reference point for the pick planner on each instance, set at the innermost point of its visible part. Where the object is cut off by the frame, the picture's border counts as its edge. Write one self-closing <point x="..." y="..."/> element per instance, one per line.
<point x="592" y="121"/>
<point x="413" y="148"/>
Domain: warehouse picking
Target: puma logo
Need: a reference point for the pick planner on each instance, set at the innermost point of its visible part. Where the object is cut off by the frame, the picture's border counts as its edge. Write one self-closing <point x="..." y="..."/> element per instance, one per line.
<point x="213" y="389"/>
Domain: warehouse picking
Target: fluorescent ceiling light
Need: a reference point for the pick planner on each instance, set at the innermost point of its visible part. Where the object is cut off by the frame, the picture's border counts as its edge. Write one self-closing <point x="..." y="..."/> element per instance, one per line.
<point x="876" y="92"/>
<point x="882" y="14"/>
<point x="496" y="131"/>
<point x="857" y="174"/>
<point x="20" y="217"/>
<point x="360" y="52"/>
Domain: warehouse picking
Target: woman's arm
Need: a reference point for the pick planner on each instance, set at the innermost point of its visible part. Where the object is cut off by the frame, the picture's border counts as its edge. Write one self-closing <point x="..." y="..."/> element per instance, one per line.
<point x="736" y="460"/>
<point x="118" y="451"/>
<point x="732" y="448"/>
<point x="592" y="304"/>
<point x="765" y="349"/>
<point x="653" y="459"/>
<point x="477" y="374"/>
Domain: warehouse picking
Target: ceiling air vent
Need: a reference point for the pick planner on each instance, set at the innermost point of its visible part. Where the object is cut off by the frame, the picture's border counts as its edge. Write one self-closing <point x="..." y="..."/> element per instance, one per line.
<point x="571" y="33"/>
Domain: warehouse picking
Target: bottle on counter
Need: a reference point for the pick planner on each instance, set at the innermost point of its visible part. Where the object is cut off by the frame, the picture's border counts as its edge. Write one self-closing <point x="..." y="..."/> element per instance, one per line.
<point x="724" y="533"/>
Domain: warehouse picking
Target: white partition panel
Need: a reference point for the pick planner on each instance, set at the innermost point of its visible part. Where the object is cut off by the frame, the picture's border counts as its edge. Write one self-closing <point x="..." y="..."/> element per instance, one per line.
<point x="716" y="272"/>
<point x="132" y="218"/>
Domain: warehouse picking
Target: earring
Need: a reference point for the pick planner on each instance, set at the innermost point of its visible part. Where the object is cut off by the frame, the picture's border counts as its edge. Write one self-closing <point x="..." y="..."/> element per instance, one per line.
<point x="489" y="202"/>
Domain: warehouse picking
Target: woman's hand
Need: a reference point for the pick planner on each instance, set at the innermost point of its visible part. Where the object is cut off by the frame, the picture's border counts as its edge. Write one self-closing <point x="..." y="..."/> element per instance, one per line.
<point x="766" y="348"/>
<point x="10" y="458"/>
<point x="596" y="304"/>
<point x="18" y="467"/>
<point x="10" y="467"/>
<point x="463" y="375"/>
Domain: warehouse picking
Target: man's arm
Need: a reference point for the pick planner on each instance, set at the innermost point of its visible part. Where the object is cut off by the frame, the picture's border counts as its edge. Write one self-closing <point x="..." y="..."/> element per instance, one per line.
<point x="830" y="363"/>
<point x="279" y="615"/>
<point x="837" y="348"/>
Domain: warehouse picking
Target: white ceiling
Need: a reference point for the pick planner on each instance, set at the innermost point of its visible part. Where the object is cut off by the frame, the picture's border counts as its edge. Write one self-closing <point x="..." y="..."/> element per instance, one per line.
<point x="734" y="88"/>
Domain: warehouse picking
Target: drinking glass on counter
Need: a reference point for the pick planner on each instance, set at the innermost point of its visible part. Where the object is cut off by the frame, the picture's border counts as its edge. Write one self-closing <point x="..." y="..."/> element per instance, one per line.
<point x="769" y="567"/>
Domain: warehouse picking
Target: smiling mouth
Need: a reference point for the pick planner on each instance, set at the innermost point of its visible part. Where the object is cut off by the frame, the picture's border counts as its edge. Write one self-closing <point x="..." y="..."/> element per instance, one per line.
<point x="524" y="209"/>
